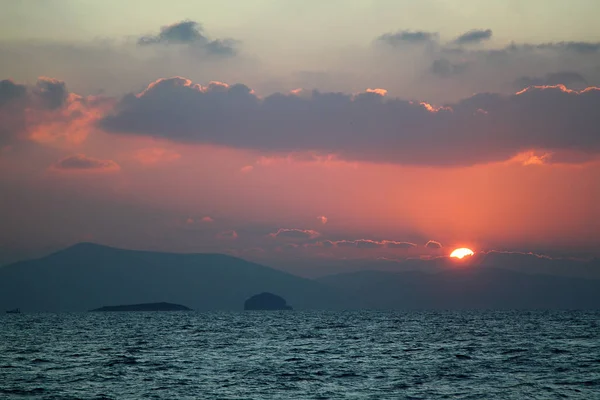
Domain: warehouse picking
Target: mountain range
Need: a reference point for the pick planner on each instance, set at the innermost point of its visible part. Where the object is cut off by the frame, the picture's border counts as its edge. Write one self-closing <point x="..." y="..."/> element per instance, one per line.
<point x="87" y="276"/>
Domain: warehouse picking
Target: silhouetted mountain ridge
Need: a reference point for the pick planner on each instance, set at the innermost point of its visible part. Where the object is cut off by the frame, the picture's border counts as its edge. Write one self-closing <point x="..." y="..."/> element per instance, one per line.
<point x="467" y="288"/>
<point x="528" y="263"/>
<point x="86" y="276"/>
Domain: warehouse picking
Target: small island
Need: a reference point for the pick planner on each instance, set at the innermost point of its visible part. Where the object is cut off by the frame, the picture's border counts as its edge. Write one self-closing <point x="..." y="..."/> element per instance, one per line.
<point x="266" y="301"/>
<point x="144" y="307"/>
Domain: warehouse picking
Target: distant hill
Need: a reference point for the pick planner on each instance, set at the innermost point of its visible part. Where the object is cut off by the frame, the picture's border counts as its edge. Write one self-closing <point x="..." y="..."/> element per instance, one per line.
<point x="143" y="307"/>
<point x="87" y="276"/>
<point x="266" y="301"/>
<point x="469" y="288"/>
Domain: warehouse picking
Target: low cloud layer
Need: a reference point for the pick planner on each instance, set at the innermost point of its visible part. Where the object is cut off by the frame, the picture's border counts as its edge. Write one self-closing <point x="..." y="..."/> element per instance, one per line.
<point x="365" y="127"/>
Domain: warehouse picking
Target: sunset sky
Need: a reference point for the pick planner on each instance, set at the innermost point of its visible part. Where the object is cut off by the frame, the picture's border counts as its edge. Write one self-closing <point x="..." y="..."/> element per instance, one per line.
<point x="300" y="129"/>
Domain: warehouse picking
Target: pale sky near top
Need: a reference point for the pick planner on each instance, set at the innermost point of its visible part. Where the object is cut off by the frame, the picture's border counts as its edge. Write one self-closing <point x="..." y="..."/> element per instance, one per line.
<point x="315" y="23"/>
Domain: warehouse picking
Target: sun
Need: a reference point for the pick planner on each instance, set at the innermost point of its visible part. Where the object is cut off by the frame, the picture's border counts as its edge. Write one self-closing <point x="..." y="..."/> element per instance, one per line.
<point x="461" y="253"/>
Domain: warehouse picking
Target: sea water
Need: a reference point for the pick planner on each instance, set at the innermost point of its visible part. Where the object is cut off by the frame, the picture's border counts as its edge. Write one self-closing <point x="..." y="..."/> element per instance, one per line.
<point x="301" y="355"/>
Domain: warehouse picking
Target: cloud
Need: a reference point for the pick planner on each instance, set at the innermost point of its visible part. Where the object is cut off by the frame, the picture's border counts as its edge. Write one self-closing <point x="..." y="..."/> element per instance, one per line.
<point x="13" y="102"/>
<point x="183" y="32"/>
<point x="52" y="92"/>
<point x="81" y="162"/>
<point x="10" y="91"/>
<point x="295" y="234"/>
<point x="155" y="155"/>
<point x="379" y="91"/>
<point x="532" y="158"/>
<point x="189" y="33"/>
<point x="408" y="37"/>
<point x="227" y="235"/>
<point x="365" y="127"/>
<point x="322" y="219"/>
<point x="444" y="68"/>
<point x="432" y="244"/>
<point x="398" y="245"/>
<point x="47" y="112"/>
<point x="222" y="47"/>
<point x="246" y="169"/>
<point x="474" y="36"/>
<point x="366" y="244"/>
<point x="303" y="158"/>
<point x="577" y="47"/>
<point x="566" y="78"/>
<point x="566" y="49"/>
<point x="204" y="220"/>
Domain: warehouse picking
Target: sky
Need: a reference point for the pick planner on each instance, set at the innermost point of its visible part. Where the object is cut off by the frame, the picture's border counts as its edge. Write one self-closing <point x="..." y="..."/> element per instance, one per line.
<point x="301" y="130"/>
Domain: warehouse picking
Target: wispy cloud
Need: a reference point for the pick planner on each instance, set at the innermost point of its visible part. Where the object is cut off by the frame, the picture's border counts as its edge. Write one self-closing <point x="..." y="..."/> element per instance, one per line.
<point x="83" y="163"/>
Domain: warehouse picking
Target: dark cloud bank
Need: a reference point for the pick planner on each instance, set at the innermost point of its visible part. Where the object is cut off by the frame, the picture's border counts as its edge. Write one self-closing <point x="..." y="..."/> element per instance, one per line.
<point x="483" y="128"/>
<point x="364" y="127"/>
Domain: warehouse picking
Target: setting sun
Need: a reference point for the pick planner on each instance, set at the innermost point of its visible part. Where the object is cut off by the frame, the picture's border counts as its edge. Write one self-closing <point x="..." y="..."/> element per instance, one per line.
<point x="461" y="253"/>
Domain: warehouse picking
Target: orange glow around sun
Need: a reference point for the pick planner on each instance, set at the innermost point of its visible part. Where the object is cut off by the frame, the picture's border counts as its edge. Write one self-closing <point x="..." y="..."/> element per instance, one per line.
<point x="461" y="253"/>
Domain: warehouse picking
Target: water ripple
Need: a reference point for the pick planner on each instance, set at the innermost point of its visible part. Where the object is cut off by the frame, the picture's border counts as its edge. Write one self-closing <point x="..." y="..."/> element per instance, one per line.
<point x="300" y="355"/>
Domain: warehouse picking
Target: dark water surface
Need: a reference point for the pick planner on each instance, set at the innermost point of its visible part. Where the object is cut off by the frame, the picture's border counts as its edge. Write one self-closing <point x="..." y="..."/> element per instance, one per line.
<point x="301" y="355"/>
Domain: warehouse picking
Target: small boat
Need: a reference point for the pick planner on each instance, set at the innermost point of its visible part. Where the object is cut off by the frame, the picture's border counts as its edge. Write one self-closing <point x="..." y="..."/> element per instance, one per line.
<point x="14" y="311"/>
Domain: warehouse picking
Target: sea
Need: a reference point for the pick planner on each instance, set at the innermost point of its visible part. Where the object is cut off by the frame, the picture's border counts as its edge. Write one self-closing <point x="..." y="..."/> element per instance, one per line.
<point x="301" y="355"/>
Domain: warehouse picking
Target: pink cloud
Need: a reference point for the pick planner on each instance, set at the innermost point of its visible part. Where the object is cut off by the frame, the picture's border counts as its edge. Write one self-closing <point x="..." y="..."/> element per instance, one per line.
<point x="381" y="92"/>
<point x="47" y="113"/>
<point x="359" y="243"/>
<point x="322" y="219"/>
<point x="83" y="163"/>
<point x="295" y="234"/>
<point x="432" y="244"/>
<point x="398" y="245"/>
<point x="304" y="158"/>
<point x="228" y="235"/>
<point x="203" y="220"/>
<point x="155" y="155"/>
<point x="367" y="244"/>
